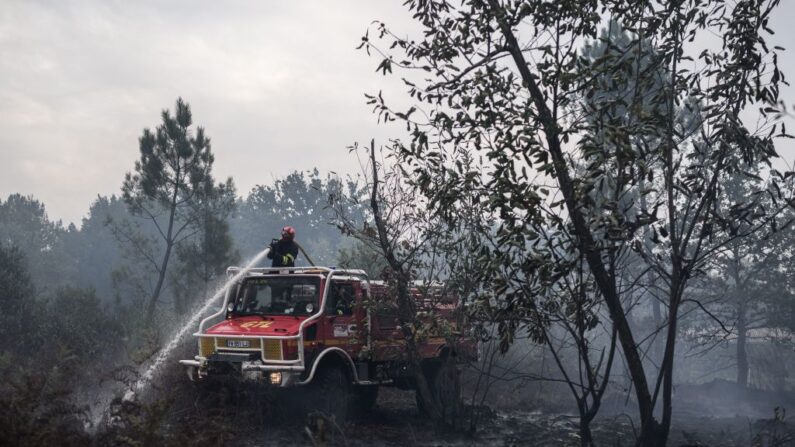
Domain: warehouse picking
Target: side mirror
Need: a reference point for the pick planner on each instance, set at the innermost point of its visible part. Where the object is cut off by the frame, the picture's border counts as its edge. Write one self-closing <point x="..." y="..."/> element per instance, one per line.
<point x="230" y="307"/>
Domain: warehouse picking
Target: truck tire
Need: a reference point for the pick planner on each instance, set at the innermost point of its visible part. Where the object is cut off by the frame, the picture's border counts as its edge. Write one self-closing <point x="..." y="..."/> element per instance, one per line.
<point x="331" y="394"/>
<point x="365" y="397"/>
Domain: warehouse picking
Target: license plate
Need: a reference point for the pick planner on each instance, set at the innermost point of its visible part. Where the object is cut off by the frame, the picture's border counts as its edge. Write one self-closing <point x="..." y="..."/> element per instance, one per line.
<point x="238" y="343"/>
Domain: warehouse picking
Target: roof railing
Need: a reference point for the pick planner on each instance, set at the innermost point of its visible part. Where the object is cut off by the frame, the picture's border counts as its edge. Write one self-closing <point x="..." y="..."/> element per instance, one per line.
<point x="232" y="271"/>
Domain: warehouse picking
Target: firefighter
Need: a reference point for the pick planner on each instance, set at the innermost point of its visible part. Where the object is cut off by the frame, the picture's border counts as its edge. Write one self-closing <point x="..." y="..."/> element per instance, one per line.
<point x="285" y="250"/>
<point x="341" y="300"/>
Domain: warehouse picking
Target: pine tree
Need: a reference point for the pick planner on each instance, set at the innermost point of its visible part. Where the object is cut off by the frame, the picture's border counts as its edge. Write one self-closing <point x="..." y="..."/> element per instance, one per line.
<point x="172" y="176"/>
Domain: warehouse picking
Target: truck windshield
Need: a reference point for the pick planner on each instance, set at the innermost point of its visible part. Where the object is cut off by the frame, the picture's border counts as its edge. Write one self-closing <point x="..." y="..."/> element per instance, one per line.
<point x="278" y="296"/>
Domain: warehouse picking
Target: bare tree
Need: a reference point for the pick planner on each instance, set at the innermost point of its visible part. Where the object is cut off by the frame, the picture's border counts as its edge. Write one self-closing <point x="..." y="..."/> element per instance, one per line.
<point x="416" y="251"/>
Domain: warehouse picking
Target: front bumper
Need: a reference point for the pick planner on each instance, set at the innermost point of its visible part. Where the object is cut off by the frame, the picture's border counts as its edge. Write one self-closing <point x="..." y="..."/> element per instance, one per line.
<point x="235" y="365"/>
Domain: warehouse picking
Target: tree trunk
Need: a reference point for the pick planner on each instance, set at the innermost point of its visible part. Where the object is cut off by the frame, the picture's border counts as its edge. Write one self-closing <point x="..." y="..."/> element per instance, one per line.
<point x="656" y="312"/>
<point x="150" y="307"/>
<point x="406" y="315"/>
<point x="586" y="438"/>
<point x="586" y="416"/>
<point x="742" y="355"/>
<point x="649" y="426"/>
<point x="742" y="321"/>
<point x="657" y="433"/>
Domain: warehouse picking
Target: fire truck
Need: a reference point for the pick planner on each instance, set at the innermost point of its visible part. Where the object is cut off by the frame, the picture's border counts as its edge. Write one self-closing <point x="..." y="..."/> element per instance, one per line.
<point x="330" y="330"/>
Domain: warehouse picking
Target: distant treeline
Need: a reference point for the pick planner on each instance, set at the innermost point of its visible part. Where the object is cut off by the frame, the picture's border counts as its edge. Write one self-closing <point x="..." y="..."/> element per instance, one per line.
<point x="113" y="250"/>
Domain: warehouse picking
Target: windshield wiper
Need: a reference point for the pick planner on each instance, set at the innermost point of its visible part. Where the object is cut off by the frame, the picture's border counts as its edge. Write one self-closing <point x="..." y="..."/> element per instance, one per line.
<point x="250" y="314"/>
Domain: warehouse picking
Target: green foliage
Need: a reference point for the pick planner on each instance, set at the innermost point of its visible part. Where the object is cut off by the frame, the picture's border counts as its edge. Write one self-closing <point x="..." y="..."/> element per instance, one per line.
<point x="174" y="164"/>
<point x="584" y="158"/>
<point x="36" y="412"/>
<point x="24" y="224"/>
<point x="79" y="326"/>
<point x="50" y="348"/>
<point x="73" y="338"/>
<point x="16" y="300"/>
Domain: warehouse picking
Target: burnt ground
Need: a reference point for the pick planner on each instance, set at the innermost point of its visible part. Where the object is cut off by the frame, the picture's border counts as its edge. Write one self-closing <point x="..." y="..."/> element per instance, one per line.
<point x="395" y="421"/>
<point x="177" y="412"/>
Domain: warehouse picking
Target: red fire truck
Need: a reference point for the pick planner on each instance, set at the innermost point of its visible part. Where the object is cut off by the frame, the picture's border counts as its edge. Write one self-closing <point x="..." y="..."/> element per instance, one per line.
<point x="331" y="329"/>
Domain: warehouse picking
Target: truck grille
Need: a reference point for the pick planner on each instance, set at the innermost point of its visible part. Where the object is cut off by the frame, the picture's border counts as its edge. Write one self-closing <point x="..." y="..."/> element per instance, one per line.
<point x="273" y="350"/>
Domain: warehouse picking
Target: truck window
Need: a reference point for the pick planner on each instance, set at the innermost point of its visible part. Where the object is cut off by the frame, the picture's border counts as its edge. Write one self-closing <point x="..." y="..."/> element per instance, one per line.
<point x="278" y="296"/>
<point x="341" y="299"/>
<point x="387" y="315"/>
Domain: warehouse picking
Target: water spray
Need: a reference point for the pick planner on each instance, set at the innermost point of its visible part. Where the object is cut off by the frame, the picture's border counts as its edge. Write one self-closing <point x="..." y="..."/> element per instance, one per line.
<point x="147" y="376"/>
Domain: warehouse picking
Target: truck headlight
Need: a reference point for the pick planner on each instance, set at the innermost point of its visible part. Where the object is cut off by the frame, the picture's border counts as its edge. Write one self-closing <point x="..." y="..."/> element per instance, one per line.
<point x="276" y="378"/>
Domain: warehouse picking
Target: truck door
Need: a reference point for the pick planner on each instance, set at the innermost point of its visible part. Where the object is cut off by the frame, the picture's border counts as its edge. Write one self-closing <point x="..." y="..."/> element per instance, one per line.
<point x="343" y="322"/>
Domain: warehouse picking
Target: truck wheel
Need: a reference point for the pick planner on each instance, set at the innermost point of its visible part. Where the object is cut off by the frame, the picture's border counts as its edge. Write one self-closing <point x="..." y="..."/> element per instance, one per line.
<point x="365" y="397"/>
<point x="331" y="394"/>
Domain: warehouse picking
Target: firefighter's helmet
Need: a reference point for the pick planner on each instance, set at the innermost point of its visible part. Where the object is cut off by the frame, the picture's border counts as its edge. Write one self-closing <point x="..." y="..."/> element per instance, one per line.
<point x="288" y="232"/>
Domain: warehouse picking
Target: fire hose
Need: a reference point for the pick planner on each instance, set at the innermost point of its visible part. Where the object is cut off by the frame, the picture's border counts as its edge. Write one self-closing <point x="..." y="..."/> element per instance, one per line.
<point x="301" y="249"/>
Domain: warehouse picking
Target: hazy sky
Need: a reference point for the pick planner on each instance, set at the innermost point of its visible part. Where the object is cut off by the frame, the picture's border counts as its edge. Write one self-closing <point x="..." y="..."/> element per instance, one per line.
<point x="277" y="85"/>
